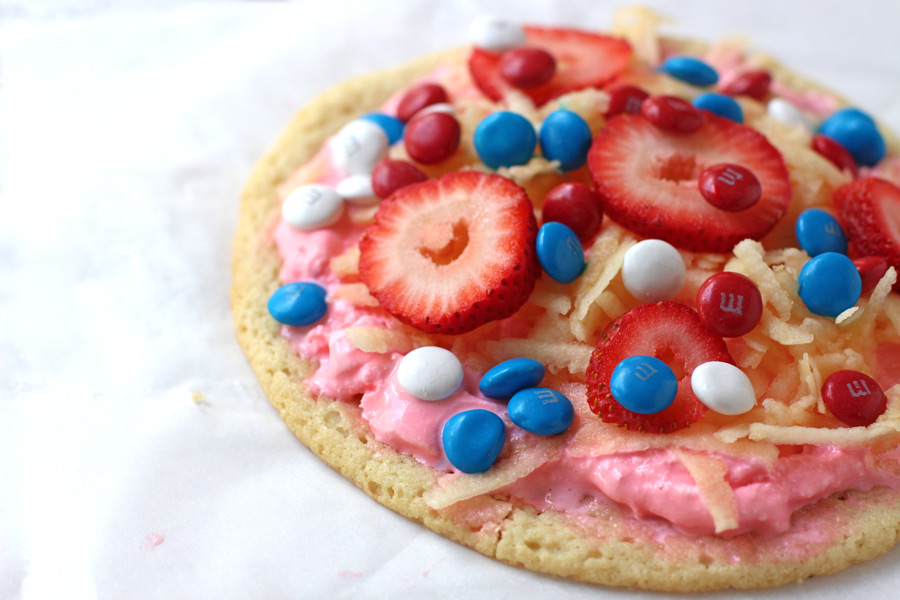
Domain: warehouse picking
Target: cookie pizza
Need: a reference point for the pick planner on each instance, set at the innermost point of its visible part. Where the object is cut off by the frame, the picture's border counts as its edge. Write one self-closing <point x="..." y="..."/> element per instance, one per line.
<point x="606" y="305"/>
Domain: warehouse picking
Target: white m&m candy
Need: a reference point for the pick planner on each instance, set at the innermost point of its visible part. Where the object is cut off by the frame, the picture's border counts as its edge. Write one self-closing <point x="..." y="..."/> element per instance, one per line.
<point x="312" y="206"/>
<point x="495" y="35"/>
<point x="358" y="147"/>
<point x="783" y="111"/>
<point x="357" y="189"/>
<point x="653" y="271"/>
<point x="430" y="373"/>
<point x="723" y="387"/>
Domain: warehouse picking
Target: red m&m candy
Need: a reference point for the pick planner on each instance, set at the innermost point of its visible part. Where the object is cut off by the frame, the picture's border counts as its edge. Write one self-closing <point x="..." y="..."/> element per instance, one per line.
<point x="527" y="67"/>
<point x="625" y="99"/>
<point x="753" y="83"/>
<point x="432" y="137"/>
<point x="575" y="205"/>
<point x="853" y="397"/>
<point x="672" y="114"/>
<point x="418" y="98"/>
<point x="729" y="187"/>
<point x="729" y="304"/>
<point x="388" y="176"/>
<point x="835" y="153"/>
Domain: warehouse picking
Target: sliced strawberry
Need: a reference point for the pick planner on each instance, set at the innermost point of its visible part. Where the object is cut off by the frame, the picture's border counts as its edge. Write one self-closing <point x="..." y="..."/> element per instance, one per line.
<point x="673" y="333"/>
<point x="582" y="60"/>
<point x="647" y="178"/>
<point x="869" y="210"/>
<point x="451" y="254"/>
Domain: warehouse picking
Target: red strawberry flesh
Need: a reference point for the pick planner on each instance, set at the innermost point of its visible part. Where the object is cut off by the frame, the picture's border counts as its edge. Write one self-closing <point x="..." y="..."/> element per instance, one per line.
<point x="669" y="331"/>
<point x="869" y="211"/>
<point x="451" y="254"/>
<point x="582" y="60"/>
<point x="648" y="177"/>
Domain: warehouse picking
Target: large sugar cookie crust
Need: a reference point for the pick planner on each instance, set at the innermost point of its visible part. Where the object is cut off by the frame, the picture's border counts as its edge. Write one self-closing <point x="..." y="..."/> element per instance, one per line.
<point x="857" y="526"/>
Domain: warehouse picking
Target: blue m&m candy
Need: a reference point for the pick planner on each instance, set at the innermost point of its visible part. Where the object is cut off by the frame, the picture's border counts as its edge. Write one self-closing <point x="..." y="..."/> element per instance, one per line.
<point x="856" y="131"/>
<point x="643" y="384"/>
<point x="829" y="284"/>
<point x="818" y="232"/>
<point x="720" y="104"/>
<point x="505" y="139"/>
<point x="392" y="126"/>
<point x="690" y="70"/>
<point x="560" y="252"/>
<point x="473" y="439"/>
<point x="565" y="137"/>
<point x="541" y="411"/>
<point x="298" y="303"/>
<point x="510" y="376"/>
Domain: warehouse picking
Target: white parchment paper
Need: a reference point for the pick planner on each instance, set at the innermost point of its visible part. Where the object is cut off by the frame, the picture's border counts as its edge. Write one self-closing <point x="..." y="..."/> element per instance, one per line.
<point x="138" y="457"/>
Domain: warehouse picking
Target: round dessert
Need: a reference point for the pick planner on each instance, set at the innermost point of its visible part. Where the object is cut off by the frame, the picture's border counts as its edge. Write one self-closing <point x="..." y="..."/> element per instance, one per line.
<point x="682" y="375"/>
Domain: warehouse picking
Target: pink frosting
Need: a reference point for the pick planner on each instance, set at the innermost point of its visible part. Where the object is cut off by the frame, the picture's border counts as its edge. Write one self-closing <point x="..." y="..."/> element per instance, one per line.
<point x="413" y="426"/>
<point x="655" y="483"/>
<point x="652" y="483"/>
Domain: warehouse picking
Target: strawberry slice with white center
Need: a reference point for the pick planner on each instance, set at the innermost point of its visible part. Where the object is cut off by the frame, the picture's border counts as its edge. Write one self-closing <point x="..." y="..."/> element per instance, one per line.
<point x="451" y="254"/>
<point x="582" y="60"/>
<point x="869" y="211"/>
<point x="647" y="178"/>
<point x="669" y="331"/>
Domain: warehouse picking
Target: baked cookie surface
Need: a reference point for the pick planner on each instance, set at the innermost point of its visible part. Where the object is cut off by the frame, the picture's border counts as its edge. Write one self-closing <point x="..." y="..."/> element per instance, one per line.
<point x="606" y="543"/>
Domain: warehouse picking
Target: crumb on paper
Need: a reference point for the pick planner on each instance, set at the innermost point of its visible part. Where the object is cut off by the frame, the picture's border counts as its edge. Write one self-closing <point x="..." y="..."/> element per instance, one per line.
<point x="155" y="539"/>
<point x="199" y="397"/>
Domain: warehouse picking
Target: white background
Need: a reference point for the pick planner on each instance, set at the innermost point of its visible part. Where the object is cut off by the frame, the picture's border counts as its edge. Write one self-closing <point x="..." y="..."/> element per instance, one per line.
<point x="127" y="129"/>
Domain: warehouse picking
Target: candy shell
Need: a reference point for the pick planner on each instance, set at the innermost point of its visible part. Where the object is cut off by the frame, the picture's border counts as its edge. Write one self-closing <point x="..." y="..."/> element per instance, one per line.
<point x="643" y="384"/>
<point x="510" y="376"/>
<point x="754" y="83"/>
<point x="559" y="251"/>
<point x="856" y="131"/>
<point x="653" y="270"/>
<point x="690" y="70"/>
<point x="720" y="104"/>
<point x="505" y="139"/>
<point x="625" y="99"/>
<point x="527" y="67"/>
<point x="829" y="284"/>
<point x="473" y="440"/>
<point x="541" y="411"/>
<point x="723" y="388"/>
<point x="853" y="397"/>
<point x="565" y="137"/>
<point x="672" y="113"/>
<point x="835" y="153"/>
<point x="784" y="112"/>
<point x="359" y="146"/>
<point x="730" y="187"/>
<point x="432" y="137"/>
<point x="729" y="304"/>
<point x="299" y="303"/>
<point x="818" y="232"/>
<point x="357" y="189"/>
<point x="418" y="98"/>
<point x="392" y="126"/>
<point x="312" y="207"/>
<point x="430" y="373"/>
<point x="494" y="34"/>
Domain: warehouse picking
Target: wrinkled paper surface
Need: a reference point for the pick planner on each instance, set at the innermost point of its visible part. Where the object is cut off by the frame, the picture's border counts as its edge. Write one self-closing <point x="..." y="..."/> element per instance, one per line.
<point x="139" y="457"/>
